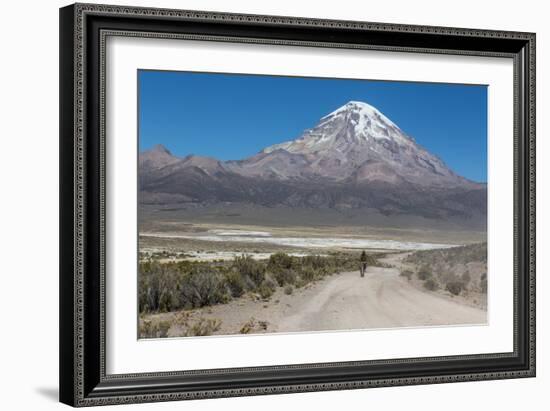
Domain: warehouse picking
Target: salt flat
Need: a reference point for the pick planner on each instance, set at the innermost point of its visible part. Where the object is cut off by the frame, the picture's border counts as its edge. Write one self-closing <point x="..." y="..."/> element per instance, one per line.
<point x="263" y="237"/>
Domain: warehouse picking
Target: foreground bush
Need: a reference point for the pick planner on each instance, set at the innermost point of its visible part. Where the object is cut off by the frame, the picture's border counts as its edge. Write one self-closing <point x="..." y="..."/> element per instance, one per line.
<point x="267" y="288"/>
<point x="431" y="284"/>
<point x="424" y="273"/>
<point x="250" y="269"/>
<point x="203" y="287"/>
<point x="235" y="283"/>
<point x="203" y="327"/>
<point x="283" y="276"/>
<point x="455" y="287"/>
<point x="156" y="288"/>
<point x="253" y="325"/>
<point x="154" y="329"/>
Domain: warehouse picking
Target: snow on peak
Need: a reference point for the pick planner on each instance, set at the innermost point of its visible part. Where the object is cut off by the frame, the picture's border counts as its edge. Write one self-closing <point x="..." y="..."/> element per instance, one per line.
<point x="356" y="122"/>
<point x="364" y="123"/>
<point x="365" y="112"/>
<point x="353" y="106"/>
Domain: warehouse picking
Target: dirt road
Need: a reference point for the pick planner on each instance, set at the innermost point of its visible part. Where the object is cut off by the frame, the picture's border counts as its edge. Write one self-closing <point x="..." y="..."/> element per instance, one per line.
<point x="379" y="300"/>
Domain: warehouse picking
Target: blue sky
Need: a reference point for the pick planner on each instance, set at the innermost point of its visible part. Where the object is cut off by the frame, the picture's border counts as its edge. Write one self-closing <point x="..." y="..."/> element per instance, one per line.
<point x="230" y="117"/>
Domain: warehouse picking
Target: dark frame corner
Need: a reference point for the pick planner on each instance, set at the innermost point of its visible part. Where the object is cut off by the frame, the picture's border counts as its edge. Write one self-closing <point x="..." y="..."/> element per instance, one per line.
<point x="83" y="381"/>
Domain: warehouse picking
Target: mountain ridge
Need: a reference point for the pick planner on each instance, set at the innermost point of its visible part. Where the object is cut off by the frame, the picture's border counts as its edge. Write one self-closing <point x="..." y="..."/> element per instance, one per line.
<point x="355" y="157"/>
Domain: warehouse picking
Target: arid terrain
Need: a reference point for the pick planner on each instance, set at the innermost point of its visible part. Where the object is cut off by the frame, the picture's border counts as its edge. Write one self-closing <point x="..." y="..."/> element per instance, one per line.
<point x="345" y="301"/>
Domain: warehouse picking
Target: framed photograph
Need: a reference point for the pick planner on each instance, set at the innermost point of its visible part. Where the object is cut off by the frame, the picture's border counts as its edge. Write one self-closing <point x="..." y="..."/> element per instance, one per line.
<point x="261" y="204"/>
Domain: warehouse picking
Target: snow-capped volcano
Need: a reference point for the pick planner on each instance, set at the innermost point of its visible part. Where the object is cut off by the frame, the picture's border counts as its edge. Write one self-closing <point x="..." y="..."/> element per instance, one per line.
<point x="354" y="123"/>
<point x="354" y="158"/>
<point x="355" y="142"/>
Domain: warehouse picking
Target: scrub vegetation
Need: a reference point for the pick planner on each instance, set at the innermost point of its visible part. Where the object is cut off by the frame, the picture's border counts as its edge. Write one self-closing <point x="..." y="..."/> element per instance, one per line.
<point x="172" y="286"/>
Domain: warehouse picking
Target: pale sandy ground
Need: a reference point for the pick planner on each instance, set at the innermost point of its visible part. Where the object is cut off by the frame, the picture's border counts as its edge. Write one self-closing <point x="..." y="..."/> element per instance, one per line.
<point x="381" y="299"/>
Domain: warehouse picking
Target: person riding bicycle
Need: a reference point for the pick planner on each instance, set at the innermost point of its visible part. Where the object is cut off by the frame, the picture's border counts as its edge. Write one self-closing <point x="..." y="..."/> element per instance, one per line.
<point x="363" y="266"/>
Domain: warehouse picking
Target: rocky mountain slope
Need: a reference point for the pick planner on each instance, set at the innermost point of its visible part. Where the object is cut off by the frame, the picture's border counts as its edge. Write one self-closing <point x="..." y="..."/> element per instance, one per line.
<point x="355" y="158"/>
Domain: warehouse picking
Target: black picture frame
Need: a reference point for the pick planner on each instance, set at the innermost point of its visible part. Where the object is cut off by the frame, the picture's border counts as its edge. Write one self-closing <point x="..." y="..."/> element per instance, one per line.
<point x="83" y="29"/>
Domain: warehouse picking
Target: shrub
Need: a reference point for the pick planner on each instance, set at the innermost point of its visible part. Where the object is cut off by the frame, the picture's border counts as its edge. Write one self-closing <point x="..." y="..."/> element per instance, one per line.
<point x="267" y="288"/>
<point x="289" y="289"/>
<point x="431" y="284"/>
<point x="248" y="326"/>
<point x="406" y="273"/>
<point x="299" y="283"/>
<point x="246" y="266"/>
<point x="254" y="325"/>
<point x="455" y="286"/>
<point x="235" y="283"/>
<point x="270" y="282"/>
<point x="203" y="287"/>
<point x="204" y="327"/>
<point x="154" y="329"/>
<point x="279" y="260"/>
<point x="466" y="277"/>
<point x="308" y="274"/>
<point x="156" y="291"/>
<point x="284" y="276"/>
<point x="318" y="263"/>
<point x="424" y="273"/>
